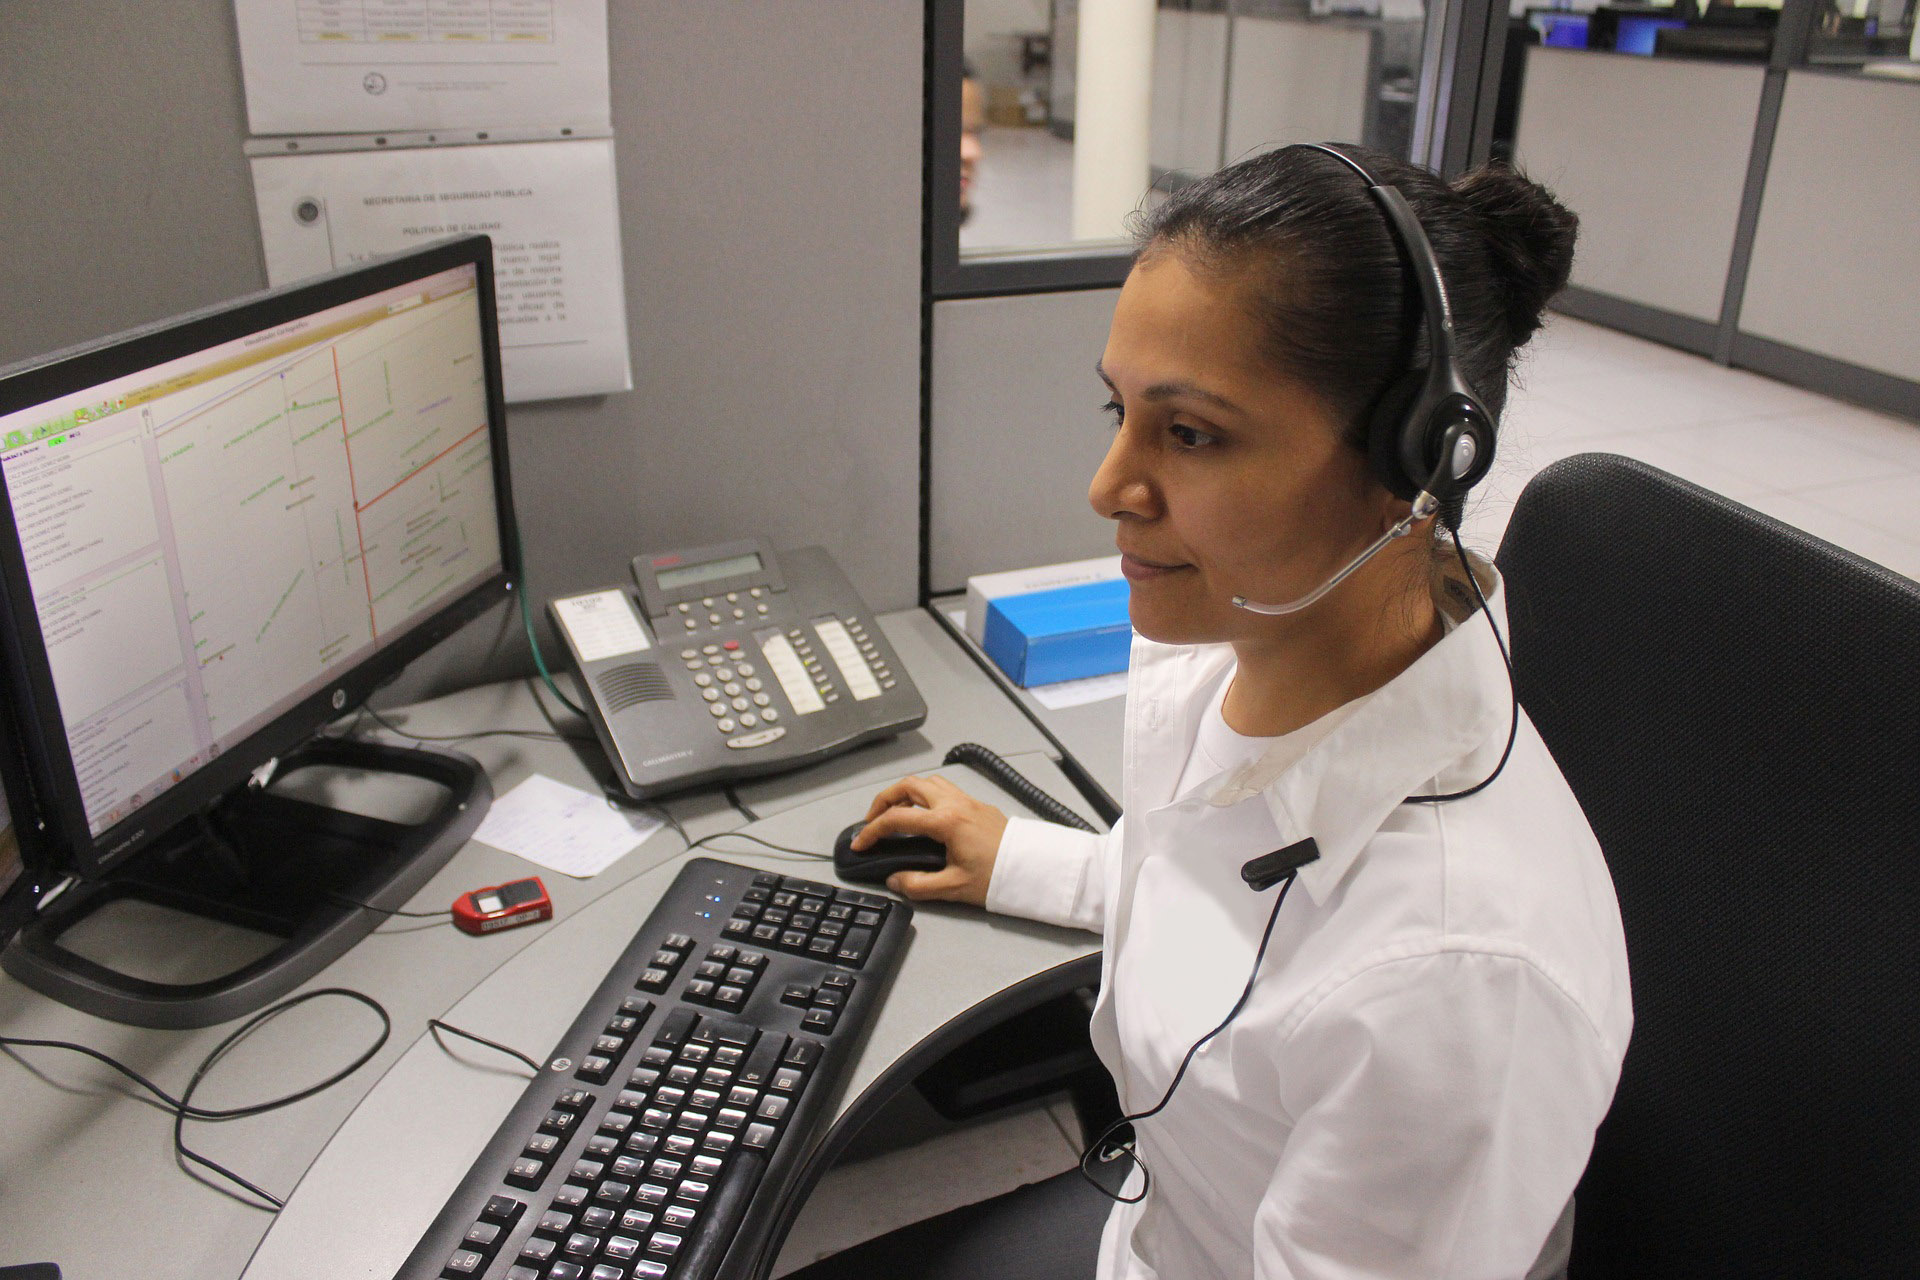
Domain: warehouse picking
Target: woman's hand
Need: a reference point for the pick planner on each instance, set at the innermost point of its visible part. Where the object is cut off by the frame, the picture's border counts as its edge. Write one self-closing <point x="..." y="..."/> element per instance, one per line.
<point x="970" y="829"/>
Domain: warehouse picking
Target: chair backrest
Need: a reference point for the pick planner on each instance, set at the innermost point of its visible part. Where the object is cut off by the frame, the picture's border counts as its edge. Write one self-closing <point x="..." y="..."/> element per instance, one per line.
<point x="1737" y="706"/>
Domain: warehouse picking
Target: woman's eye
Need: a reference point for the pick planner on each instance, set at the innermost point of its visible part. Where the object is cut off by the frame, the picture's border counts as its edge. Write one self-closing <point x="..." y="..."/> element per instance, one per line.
<point x="1113" y="409"/>
<point x="1189" y="437"/>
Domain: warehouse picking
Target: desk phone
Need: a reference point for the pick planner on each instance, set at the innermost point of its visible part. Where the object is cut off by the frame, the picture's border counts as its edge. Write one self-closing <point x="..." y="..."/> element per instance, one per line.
<point x="735" y="663"/>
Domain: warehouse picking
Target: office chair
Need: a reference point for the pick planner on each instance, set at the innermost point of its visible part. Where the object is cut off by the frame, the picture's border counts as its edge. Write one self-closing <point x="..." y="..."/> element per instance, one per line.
<point x="1737" y="706"/>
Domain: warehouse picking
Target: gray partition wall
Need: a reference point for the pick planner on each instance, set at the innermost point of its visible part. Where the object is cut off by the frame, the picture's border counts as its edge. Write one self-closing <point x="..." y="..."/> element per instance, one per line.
<point x="1652" y="154"/>
<point x="769" y="186"/>
<point x="1016" y="433"/>
<point x="1836" y="258"/>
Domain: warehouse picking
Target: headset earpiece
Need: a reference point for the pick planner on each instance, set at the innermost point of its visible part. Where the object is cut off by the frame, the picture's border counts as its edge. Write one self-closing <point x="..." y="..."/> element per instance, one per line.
<point x="1387" y="430"/>
<point x="1417" y="413"/>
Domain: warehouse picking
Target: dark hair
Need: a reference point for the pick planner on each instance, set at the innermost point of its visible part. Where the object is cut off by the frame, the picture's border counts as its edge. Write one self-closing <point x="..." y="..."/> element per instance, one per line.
<point x="1329" y="287"/>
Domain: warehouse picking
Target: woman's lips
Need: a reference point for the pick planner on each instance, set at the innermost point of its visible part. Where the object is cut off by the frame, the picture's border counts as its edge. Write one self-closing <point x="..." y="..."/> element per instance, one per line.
<point x="1138" y="570"/>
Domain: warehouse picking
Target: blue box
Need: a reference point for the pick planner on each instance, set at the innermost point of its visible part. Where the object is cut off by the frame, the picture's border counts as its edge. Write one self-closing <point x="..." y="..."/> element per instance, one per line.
<point x="1065" y="634"/>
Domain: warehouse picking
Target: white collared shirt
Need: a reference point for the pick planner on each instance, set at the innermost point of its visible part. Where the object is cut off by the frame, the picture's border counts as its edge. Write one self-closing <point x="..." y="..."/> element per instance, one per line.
<point x="1438" y="1025"/>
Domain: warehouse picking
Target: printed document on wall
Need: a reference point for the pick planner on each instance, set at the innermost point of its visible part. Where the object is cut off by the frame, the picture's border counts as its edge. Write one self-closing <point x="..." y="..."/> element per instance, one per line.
<point x="549" y="206"/>
<point x="364" y="66"/>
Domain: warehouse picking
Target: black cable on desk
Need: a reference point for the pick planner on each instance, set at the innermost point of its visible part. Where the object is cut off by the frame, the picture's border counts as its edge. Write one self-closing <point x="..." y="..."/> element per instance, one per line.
<point x="183" y="1108"/>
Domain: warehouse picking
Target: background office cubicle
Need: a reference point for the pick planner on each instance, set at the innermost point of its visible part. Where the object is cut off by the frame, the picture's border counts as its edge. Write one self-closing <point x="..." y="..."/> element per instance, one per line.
<point x="1749" y="206"/>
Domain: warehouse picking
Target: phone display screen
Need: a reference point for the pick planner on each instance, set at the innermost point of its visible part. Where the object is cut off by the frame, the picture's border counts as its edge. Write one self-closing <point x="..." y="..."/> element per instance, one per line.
<point x="712" y="570"/>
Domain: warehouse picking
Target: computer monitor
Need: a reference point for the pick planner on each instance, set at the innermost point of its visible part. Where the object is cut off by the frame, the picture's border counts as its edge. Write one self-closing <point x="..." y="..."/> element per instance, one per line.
<point x="219" y="533"/>
<point x="1559" y="30"/>
<point x="1636" y="33"/>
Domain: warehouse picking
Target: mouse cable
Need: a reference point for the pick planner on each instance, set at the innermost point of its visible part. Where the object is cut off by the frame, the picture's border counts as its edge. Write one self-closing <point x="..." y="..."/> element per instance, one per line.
<point x="183" y="1108"/>
<point x="436" y="1026"/>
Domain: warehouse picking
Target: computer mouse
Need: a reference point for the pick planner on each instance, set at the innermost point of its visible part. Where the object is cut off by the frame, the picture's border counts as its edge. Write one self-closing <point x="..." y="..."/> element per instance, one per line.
<point x="885" y="856"/>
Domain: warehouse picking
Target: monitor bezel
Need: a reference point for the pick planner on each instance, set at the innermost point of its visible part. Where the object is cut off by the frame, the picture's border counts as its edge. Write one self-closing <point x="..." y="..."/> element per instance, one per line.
<point x="62" y="813"/>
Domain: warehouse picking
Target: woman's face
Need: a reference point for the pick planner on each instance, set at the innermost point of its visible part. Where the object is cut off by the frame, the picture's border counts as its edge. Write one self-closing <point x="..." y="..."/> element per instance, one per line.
<point x="1224" y="477"/>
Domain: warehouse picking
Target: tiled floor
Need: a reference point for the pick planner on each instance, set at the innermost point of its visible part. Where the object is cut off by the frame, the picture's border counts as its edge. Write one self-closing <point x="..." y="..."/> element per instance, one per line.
<point x="1840" y="472"/>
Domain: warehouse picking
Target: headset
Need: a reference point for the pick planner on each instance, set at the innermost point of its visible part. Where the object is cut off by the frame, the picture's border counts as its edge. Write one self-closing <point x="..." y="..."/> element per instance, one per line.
<point x="1429" y="437"/>
<point x="1429" y="440"/>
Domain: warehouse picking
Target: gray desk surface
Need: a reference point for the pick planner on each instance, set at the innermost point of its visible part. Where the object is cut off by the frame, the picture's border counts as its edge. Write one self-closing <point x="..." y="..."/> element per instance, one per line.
<point x="1089" y="733"/>
<point x="87" y="1175"/>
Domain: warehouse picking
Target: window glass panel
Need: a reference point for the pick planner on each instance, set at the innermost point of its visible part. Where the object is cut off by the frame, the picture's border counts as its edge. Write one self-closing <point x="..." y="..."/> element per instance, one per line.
<point x="1080" y="112"/>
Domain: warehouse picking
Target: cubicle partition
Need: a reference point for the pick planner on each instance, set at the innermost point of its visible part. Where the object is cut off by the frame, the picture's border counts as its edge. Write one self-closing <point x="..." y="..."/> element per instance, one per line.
<point x="1831" y="290"/>
<point x="1017" y="433"/>
<point x="1652" y="154"/>
<point x="1759" y="212"/>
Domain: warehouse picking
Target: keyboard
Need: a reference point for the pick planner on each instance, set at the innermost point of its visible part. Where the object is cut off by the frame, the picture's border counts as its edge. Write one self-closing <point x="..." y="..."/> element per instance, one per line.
<point x="676" y="1111"/>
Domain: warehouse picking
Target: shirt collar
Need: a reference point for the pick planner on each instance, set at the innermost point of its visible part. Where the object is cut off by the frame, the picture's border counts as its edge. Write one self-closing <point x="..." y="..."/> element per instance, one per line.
<point x="1423" y="732"/>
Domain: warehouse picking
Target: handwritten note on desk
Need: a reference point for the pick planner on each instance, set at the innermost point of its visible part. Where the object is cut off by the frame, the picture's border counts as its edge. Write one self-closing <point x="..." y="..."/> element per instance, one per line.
<point x="563" y="828"/>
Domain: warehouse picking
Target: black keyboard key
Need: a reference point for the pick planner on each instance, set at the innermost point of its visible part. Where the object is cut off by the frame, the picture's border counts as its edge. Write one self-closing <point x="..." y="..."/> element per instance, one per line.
<point x="483" y="1237"/>
<point x="758" y="1136"/>
<point x="737" y="928"/>
<point x="527" y="1173"/>
<point x="588" y="1171"/>
<point x="677" y="1216"/>
<point x="741" y="976"/>
<point x="601" y="1146"/>
<point x="621" y="1248"/>
<point x="541" y="1145"/>
<point x="844" y="981"/>
<point x="854" y="947"/>
<point x="707" y="1166"/>
<point x="637" y="1221"/>
<point x="502" y="1209"/>
<point x="595" y="1069"/>
<point x="560" y="1122"/>
<point x="574" y="1100"/>
<point x="651" y="1194"/>
<point x="773" y="1108"/>
<point x="724" y="954"/>
<point x="613" y="1193"/>
<point x="665" y="959"/>
<point x="730" y="996"/>
<point x="802" y="1052"/>
<point x="663" y="1243"/>
<point x="680" y="942"/>
<point x="818" y="1021"/>
<point x="556" y="1222"/>
<point x="693" y="1191"/>
<point x="580" y="1245"/>
<point x="829" y="998"/>
<point x="519" y="1272"/>
<point x="598" y="1218"/>
<point x="637" y="1008"/>
<point x="571" y="1195"/>
<point x="538" y="1249"/>
<point x="822" y="947"/>
<point x="682" y="1074"/>
<point x="752" y="960"/>
<point x="787" y="1079"/>
<point x="464" y="1262"/>
<point x="654" y="979"/>
<point x="565" y="1271"/>
<point x="757" y="1070"/>
<point x="607" y="1271"/>
<point x="678" y="1026"/>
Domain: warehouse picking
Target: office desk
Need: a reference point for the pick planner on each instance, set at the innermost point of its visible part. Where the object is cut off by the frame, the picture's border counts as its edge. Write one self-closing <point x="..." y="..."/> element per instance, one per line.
<point x="87" y="1176"/>
<point x="1089" y="734"/>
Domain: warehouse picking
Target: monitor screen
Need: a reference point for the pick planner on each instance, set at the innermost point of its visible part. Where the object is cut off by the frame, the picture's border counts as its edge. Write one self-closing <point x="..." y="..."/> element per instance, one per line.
<point x="1562" y="30"/>
<point x="226" y="520"/>
<point x="1636" y="33"/>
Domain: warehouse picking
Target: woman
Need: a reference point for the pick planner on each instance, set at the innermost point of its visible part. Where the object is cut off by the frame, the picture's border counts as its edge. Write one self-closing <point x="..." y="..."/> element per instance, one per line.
<point x="1436" y="1022"/>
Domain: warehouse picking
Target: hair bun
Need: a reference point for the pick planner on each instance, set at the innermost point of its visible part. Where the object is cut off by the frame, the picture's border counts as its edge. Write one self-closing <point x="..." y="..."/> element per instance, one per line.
<point x="1530" y="239"/>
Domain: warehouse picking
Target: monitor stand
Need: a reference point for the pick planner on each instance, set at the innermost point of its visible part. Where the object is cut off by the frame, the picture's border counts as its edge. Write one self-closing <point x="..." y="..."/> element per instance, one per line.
<point x="277" y="865"/>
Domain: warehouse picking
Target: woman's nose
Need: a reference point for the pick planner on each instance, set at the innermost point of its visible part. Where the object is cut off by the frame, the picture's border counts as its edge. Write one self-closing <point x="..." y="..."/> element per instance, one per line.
<point x="1120" y="486"/>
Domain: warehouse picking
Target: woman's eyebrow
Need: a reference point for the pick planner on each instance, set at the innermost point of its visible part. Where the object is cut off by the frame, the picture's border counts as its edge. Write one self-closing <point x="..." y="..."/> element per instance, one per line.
<point x="1175" y="390"/>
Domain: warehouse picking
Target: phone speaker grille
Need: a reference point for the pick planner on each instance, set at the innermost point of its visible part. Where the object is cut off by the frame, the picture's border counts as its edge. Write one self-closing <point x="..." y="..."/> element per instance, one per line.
<point x="632" y="684"/>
